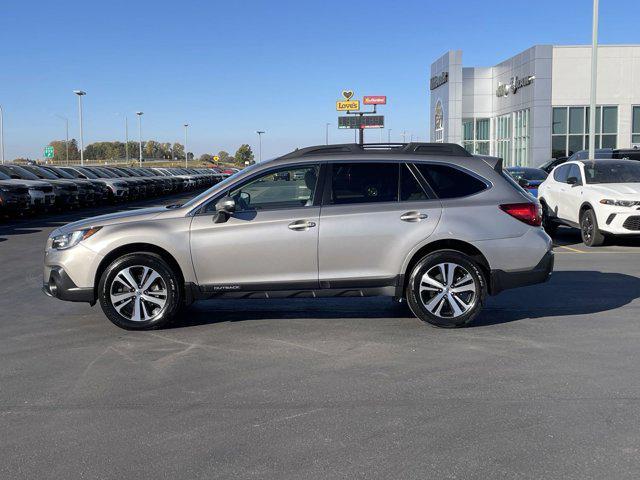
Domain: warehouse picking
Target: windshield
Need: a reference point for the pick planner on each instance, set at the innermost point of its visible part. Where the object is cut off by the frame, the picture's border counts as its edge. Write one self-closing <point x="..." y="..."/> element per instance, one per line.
<point x="528" y="173"/>
<point x="229" y="180"/>
<point x="612" y="172"/>
<point x="4" y="176"/>
<point x="90" y="173"/>
<point x="42" y="173"/>
<point x="21" y="172"/>
<point x="61" y="173"/>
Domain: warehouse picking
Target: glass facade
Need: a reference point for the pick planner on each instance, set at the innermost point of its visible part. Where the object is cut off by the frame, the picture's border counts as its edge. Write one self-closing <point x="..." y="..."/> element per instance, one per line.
<point x="521" y="138"/>
<point x="635" y="126"/>
<point x="570" y="129"/>
<point x="476" y="135"/>
<point x="502" y="129"/>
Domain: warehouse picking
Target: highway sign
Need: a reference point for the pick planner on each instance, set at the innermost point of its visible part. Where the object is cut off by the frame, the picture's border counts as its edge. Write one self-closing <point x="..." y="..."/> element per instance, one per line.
<point x="48" y="152"/>
<point x="352" y="105"/>
<point x="374" y="99"/>
<point x="361" y="121"/>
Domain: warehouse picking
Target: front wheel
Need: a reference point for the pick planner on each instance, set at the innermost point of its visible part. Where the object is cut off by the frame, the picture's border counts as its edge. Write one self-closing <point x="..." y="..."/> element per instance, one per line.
<point x="139" y="291"/>
<point x="591" y="234"/>
<point x="446" y="289"/>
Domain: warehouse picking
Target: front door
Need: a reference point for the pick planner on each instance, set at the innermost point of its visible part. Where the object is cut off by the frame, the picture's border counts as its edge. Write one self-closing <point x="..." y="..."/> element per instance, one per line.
<point x="373" y="214"/>
<point x="270" y="242"/>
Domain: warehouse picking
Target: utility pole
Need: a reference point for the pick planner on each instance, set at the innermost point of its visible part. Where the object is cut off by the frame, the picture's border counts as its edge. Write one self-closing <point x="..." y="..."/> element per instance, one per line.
<point x="594" y="81"/>
<point x="327" y="133"/>
<point x="80" y="94"/>
<point x="139" y="114"/>
<point x="1" y="135"/>
<point x="260" y="132"/>
<point x="186" y="151"/>
<point x="389" y="136"/>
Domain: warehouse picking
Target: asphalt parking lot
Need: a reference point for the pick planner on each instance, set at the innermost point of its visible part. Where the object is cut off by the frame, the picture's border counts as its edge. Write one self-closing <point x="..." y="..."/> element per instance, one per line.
<point x="546" y="383"/>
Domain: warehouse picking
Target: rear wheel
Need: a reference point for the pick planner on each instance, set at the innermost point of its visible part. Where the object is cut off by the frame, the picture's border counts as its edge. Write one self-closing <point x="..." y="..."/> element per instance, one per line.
<point x="591" y="234"/>
<point x="446" y="289"/>
<point x="139" y="291"/>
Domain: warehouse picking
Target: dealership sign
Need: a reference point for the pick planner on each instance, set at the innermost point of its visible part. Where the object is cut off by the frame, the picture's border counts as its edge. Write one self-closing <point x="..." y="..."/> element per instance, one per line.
<point x="374" y="99"/>
<point x="516" y="84"/>
<point x="439" y="80"/>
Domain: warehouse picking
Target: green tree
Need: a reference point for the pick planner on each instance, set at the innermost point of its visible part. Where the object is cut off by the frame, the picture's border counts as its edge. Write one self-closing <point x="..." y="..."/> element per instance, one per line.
<point x="178" y="150"/>
<point x="244" y="154"/>
<point x="60" y="151"/>
<point x="206" y="157"/>
<point x="224" y="156"/>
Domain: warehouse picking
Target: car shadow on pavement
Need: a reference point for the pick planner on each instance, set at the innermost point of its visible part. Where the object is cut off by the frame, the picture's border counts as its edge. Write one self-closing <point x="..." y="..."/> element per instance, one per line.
<point x="567" y="293"/>
<point x="570" y="237"/>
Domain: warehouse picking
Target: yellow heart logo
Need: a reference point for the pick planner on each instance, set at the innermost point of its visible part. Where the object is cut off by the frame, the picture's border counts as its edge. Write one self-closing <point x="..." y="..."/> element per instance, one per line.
<point x="347" y="94"/>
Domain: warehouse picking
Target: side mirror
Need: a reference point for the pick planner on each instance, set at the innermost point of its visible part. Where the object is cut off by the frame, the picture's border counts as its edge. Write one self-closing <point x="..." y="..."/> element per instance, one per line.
<point x="224" y="209"/>
<point x="523" y="182"/>
<point x="573" y="181"/>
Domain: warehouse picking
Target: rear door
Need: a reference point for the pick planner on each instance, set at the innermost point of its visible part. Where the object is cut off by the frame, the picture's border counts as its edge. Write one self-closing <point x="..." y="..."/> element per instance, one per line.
<point x="373" y="214"/>
<point x="556" y="189"/>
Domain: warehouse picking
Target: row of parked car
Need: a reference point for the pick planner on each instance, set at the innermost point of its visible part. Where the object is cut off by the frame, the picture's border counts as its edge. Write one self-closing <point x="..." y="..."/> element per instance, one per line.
<point x="36" y="188"/>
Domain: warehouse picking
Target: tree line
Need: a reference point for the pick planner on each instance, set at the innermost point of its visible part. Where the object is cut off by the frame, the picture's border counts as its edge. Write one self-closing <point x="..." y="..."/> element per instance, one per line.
<point x="151" y="150"/>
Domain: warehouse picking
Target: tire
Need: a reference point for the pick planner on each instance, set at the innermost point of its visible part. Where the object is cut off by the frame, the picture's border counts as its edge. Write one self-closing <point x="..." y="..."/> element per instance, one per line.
<point x="591" y="234"/>
<point x="157" y="304"/>
<point x="548" y="224"/>
<point x="422" y="296"/>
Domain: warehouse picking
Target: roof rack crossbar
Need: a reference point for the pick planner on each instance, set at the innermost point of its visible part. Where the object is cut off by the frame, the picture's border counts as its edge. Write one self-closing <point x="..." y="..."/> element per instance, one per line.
<point x="416" y="148"/>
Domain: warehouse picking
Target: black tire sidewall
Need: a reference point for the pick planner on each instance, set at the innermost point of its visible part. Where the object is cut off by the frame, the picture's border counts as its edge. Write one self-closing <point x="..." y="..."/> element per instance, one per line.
<point x="174" y="294"/>
<point x="426" y="263"/>
<point x="597" y="238"/>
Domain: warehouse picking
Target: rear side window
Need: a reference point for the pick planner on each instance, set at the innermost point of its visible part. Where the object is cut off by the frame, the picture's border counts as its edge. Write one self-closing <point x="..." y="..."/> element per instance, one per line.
<point x="364" y="183"/>
<point x="449" y="182"/>
<point x="410" y="189"/>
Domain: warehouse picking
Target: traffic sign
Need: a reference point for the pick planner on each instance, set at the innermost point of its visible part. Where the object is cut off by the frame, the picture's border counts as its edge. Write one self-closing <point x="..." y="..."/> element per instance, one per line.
<point x="48" y="152"/>
<point x="348" y="105"/>
<point x="374" y="99"/>
<point x="361" y="121"/>
<point x="216" y="158"/>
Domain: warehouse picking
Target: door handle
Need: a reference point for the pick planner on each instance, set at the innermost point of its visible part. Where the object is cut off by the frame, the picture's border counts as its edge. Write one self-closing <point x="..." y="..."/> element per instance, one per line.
<point x="413" y="216"/>
<point x="301" y="225"/>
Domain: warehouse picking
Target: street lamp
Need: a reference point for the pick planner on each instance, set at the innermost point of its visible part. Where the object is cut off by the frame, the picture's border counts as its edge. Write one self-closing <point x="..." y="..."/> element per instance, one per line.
<point x="139" y="114"/>
<point x="260" y="132"/>
<point x="389" y="136"/>
<point x="186" y="154"/>
<point x="594" y="80"/>
<point x="1" y="135"/>
<point x="327" y="133"/>
<point x="80" y="94"/>
<point x="66" y="142"/>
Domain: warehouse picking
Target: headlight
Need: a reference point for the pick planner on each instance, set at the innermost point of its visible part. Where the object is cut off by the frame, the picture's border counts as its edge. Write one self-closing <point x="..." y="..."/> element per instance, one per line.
<point x="620" y="203"/>
<point x="68" y="240"/>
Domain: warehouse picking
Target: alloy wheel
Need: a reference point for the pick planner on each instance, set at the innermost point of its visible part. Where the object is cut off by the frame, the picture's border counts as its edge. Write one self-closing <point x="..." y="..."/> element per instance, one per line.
<point x="138" y="293"/>
<point x="587" y="228"/>
<point x="448" y="290"/>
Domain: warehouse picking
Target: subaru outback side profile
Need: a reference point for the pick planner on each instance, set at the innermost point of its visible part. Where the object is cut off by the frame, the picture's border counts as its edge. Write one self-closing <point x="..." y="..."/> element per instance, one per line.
<point x="426" y="223"/>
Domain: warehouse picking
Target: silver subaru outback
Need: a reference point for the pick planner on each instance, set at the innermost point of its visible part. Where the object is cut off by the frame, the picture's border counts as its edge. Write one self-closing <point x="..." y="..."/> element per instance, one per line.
<point x="426" y="223"/>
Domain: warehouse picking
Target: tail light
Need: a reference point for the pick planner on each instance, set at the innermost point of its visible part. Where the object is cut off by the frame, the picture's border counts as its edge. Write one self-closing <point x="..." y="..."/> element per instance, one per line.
<point x="529" y="213"/>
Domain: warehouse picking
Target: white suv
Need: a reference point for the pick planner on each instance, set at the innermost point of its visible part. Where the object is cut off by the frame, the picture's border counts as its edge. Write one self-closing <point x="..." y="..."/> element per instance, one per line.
<point x="601" y="197"/>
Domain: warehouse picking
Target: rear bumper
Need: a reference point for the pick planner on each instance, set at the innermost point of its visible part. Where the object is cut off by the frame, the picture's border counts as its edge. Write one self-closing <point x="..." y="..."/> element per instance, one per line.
<point x="59" y="285"/>
<point x="501" y="280"/>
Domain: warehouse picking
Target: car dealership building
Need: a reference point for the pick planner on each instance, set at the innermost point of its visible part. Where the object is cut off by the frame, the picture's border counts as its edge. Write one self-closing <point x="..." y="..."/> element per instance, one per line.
<point x="534" y="106"/>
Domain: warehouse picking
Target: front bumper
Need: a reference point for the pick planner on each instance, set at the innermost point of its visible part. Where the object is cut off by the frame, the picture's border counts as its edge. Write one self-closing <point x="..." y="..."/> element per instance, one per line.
<point x="59" y="285"/>
<point x="501" y="280"/>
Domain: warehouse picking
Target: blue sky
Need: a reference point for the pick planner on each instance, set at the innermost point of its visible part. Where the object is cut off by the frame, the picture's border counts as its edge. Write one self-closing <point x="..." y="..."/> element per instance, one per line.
<point x="230" y="68"/>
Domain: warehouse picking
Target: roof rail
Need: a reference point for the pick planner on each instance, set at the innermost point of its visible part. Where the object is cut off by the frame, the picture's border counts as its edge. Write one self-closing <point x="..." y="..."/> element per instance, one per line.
<point x="415" y="148"/>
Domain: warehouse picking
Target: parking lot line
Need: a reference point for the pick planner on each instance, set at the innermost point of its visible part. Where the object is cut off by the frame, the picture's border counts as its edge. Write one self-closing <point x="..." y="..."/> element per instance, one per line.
<point x="574" y="250"/>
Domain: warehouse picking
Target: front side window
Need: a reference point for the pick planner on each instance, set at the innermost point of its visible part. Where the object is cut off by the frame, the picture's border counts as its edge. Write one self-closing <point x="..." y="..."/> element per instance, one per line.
<point x="561" y="173"/>
<point x="449" y="182"/>
<point x="574" y="172"/>
<point x="286" y="188"/>
<point x="364" y="183"/>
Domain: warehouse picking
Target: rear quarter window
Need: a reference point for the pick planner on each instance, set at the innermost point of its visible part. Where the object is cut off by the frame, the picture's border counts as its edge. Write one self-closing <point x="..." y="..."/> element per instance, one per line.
<point x="450" y="182"/>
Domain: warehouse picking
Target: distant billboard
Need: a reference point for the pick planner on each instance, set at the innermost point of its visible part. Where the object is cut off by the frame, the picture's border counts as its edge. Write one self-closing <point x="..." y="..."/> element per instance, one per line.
<point x="374" y="99"/>
<point x="361" y="121"/>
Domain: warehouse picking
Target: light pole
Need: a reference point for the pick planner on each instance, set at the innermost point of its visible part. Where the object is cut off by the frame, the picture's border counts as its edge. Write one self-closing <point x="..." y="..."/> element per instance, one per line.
<point x="186" y="152"/>
<point x="260" y="132"/>
<point x="1" y="135"/>
<point x="594" y="80"/>
<point x="126" y="138"/>
<point x="389" y="136"/>
<point x="326" y="133"/>
<point x="139" y="114"/>
<point x="80" y="94"/>
<point x="66" y="142"/>
<point x="404" y="136"/>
